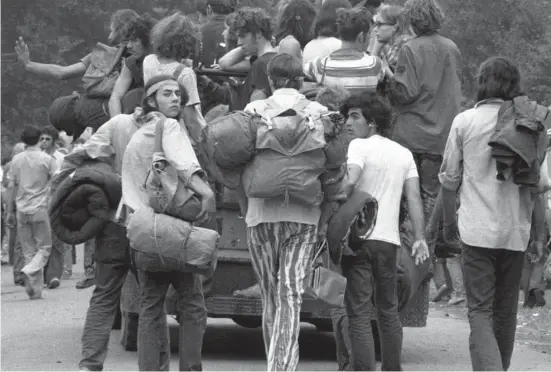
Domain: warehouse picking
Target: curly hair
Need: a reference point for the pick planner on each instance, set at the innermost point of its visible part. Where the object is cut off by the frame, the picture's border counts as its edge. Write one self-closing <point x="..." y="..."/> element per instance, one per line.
<point x="425" y="16"/>
<point x="352" y="22"/>
<point x="232" y="34"/>
<point x="332" y="97"/>
<point x="375" y="108"/>
<point x="255" y="21"/>
<point x="121" y="21"/>
<point x="140" y="29"/>
<point x="176" y="37"/>
<point x="498" y="77"/>
<point x="325" y="24"/>
<point x="52" y="132"/>
<point x="296" y="20"/>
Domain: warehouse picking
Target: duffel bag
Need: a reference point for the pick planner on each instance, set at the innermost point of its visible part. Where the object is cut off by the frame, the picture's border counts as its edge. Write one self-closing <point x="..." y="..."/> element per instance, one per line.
<point x="166" y="244"/>
<point x="231" y="139"/>
<point x="289" y="157"/>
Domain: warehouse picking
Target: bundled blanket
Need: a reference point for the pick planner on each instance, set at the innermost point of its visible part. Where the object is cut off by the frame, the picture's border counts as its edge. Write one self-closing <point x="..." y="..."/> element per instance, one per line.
<point x="84" y="201"/>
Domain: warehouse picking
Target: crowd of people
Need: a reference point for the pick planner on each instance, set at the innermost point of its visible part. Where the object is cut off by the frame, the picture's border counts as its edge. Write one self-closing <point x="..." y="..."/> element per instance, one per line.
<point x="470" y="192"/>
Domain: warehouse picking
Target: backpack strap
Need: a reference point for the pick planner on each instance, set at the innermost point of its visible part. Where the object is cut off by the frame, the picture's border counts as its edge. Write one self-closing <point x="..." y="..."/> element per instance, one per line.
<point x="159" y="126"/>
<point x="176" y="74"/>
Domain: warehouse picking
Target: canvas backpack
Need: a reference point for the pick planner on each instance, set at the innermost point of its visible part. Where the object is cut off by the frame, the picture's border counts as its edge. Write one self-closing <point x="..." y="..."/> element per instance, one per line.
<point x="290" y="156"/>
<point x="101" y="74"/>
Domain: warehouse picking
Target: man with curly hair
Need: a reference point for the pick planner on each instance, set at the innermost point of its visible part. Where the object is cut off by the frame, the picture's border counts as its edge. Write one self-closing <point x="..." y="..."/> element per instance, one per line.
<point x="176" y="40"/>
<point x="254" y="28"/>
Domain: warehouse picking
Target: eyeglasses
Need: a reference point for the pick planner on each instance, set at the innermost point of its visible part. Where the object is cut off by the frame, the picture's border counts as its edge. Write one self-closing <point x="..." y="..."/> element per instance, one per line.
<point x="379" y="24"/>
<point x="46" y="138"/>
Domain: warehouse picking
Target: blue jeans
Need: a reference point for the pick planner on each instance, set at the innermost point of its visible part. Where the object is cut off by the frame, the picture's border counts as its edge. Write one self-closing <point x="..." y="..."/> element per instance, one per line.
<point x="153" y="338"/>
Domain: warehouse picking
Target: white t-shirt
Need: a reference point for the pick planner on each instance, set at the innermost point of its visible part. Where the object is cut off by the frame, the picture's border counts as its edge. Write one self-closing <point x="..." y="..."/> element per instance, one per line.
<point x="319" y="48"/>
<point x="153" y="67"/>
<point x="386" y="166"/>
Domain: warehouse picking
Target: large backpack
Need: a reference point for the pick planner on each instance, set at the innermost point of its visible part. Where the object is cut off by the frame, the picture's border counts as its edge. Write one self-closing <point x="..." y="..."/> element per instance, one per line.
<point x="102" y="72"/>
<point x="290" y="156"/>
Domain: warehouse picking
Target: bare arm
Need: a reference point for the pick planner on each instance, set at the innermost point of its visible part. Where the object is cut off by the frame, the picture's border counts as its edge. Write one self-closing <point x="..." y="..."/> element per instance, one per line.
<point x="47" y="70"/>
<point x="354" y="173"/>
<point x="258" y="94"/>
<point x="412" y="191"/>
<point x="232" y="58"/>
<point x="119" y="90"/>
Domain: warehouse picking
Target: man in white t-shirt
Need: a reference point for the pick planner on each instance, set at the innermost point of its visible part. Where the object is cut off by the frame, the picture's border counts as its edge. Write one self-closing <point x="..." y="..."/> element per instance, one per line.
<point x="384" y="169"/>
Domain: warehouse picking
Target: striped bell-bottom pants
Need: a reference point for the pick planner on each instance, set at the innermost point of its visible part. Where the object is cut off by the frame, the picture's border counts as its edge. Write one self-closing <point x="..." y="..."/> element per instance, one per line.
<point x="281" y="253"/>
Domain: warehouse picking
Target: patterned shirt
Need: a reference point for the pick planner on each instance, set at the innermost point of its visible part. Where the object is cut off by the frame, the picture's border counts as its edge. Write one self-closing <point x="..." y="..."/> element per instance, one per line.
<point x="351" y="68"/>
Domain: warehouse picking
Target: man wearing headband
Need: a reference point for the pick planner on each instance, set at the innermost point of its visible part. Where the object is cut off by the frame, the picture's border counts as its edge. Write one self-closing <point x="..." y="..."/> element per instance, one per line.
<point x="112" y="261"/>
<point x="163" y="100"/>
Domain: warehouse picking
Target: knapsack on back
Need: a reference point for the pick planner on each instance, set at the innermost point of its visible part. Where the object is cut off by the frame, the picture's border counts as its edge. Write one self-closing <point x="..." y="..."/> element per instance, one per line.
<point x="290" y="156"/>
<point x="101" y="74"/>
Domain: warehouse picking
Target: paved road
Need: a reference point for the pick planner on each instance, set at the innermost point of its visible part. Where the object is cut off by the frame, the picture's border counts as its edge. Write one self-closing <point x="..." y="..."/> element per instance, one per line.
<point x="45" y="335"/>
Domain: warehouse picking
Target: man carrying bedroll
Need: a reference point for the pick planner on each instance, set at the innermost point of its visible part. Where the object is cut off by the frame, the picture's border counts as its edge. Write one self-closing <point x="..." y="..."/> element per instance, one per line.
<point x="112" y="248"/>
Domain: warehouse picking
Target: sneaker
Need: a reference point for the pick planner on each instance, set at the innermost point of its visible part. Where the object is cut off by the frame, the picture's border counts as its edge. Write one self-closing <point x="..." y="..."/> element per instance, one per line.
<point x="456" y="300"/>
<point x="28" y="287"/>
<point x="86" y="283"/>
<point x="54" y="283"/>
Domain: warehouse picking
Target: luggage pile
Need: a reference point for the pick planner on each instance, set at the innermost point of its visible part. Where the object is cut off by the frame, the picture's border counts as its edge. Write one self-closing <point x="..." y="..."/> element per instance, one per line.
<point x="283" y="153"/>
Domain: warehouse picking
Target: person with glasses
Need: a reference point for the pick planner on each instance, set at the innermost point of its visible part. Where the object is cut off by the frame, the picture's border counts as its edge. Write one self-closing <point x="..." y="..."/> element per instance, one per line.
<point x="391" y="32"/>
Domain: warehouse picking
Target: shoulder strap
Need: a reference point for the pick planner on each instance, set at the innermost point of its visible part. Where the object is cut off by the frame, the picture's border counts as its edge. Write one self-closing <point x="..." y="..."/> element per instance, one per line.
<point x="159" y="126"/>
<point x="176" y="74"/>
<point x="117" y="58"/>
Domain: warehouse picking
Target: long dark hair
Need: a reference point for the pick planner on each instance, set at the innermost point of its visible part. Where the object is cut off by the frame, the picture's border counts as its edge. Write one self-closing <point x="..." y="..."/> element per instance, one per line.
<point x="326" y="21"/>
<point x="498" y="77"/>
<point x="296" y="20"/>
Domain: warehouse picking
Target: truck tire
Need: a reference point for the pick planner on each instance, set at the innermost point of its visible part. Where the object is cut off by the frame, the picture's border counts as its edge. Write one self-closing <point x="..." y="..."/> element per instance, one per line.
<point x="129" y="331"/>
<point x="247" y="321"/>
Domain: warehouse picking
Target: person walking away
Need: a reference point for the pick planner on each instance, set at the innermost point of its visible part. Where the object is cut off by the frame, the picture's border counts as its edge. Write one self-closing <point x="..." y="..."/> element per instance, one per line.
<point x="349" y="66"/>
<point x="384" y="169"/>
<point x="495" y="216"/>
<point x="53" y="271"/>
<point x="162" y="101"/>
<point x="28" y="192"/>
<point x="12" y="242"/>
<point x="282" y="232"/>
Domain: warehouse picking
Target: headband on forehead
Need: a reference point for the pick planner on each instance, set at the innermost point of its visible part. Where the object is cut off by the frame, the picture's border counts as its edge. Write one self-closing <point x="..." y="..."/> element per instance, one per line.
<point x="158" y="85"/>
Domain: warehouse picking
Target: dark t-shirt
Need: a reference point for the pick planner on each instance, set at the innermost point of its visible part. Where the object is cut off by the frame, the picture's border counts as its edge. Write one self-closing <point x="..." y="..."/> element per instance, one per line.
<point x="256" y="79"/>
<point x="211" y="37"/>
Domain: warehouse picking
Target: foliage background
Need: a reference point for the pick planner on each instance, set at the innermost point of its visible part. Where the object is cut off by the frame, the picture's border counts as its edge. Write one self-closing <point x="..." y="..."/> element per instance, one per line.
<point x="63" y="31"/>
